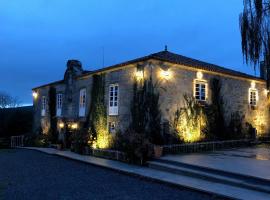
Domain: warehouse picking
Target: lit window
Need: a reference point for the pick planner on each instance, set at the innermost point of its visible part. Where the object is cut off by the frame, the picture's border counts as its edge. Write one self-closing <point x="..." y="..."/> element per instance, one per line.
<point x="59" y="103"/>
<point x="43" y="106"/>
<point x="253" y="97"/>
<point x="200" y="90"/>
<point x="113" y="99"/>
<point x="82" y="103"/>
<point x="111" y="127"/>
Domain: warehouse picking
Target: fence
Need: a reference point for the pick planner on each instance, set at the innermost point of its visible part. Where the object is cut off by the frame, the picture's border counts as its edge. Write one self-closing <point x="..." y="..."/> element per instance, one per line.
<point x="16" y="141"/>
<point x="204" y="146"/>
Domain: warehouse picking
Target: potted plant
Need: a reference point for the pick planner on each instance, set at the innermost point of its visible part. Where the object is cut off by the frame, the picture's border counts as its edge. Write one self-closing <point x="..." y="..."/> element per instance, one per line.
<point x="158" y="141"/>
<point x="158" y="151"/>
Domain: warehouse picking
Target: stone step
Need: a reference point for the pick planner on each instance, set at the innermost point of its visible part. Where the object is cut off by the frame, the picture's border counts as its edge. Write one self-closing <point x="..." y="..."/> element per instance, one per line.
<point x="247" y="178"/>
<point x="213" y="177"/>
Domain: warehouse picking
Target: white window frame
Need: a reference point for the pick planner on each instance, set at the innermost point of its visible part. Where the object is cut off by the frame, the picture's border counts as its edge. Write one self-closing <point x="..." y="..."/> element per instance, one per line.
<point x="43" y="105"/>
<point x="82" y="102"/>
<point x="200" y="87"/>
<point x="113" y="99"/>
<point x="253" y="97"/>
<point x="59" y="104"/>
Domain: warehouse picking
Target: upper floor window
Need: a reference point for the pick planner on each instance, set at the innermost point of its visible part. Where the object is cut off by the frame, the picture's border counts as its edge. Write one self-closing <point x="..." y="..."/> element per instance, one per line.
<point x="113" y="99"/>
<point x="200" y="90"/>
<point x="82" y="103"/>
<point x="253" y="96"/>
<point x="43" y="105"/>
<point x="59" y="103"/>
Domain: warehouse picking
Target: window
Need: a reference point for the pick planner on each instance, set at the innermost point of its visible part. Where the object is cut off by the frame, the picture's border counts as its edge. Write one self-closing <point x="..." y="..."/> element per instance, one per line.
<point x="113" y="99"/>
<point x="200" y="90"/>
<point x="43" y="106"/>
<point x="111" y="127"/>
<point x="59" y="103"/>
<point x="253" y="97"/>
<point x="82" y="103"/>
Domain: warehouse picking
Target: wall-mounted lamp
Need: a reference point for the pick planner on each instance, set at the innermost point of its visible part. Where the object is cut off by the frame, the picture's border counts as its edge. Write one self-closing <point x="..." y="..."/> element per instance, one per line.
<point x="266" y="92"/>
<point x="74" y="126"/>
<point x="253" y="84"/>
<point x="199" y="75"/>
<point x="139" y="74"/>
<point x="35" y="95"/>
<point x="165" y="74"/>
<point x="61" y="125"/>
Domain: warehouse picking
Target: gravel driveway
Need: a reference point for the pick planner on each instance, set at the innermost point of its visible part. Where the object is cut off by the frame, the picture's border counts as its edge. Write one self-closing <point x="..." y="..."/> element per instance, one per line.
<point x="26" y="174"/>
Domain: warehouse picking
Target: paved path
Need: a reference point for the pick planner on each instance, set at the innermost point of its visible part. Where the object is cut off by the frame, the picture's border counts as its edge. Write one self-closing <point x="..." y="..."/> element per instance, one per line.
<point x="27" y="174"/>
<point x="253" y="161"/>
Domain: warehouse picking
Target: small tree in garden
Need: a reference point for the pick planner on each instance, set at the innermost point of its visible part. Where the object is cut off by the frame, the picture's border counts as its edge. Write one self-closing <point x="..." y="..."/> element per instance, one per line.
<point x="215" y="113"/>
<point x="145" y="125"/>
<point x="98" y="131"/>
<point x="190" y="121"/>
<point x="53" y="134"/>
<point x="146" y="116"/>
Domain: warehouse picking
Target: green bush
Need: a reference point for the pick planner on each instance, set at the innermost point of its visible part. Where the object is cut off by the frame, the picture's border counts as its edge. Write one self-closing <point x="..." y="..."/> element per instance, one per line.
<point x="137" y="147"/>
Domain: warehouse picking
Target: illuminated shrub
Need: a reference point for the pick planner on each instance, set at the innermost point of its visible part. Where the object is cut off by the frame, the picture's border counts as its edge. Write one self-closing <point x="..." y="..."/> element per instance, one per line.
<point x="190" y="121"/>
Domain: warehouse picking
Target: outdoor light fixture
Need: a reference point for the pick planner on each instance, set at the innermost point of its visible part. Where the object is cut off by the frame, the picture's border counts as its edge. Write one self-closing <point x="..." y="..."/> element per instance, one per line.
<point x="253" y="84"/>
<point x="61" y="125"/>
<point x="74" y="126"/>
<point x="266" y="91"/>
<point x="139" y="74"/>
<point x="199" y="75"/>
<point x="165" y="74"/>
<point x="35" y="95"/>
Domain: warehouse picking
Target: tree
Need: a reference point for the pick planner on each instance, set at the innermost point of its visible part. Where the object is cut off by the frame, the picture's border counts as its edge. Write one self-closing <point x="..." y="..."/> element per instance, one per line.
<point x="7" y="101"/>
<point x="255" y="31"/>
<point x="53" y="120"/>
<point x="145" y="112"/>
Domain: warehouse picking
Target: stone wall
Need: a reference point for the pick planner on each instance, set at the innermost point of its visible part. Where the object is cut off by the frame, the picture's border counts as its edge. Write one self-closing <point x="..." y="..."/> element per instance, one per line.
<point x="180" y="82"/>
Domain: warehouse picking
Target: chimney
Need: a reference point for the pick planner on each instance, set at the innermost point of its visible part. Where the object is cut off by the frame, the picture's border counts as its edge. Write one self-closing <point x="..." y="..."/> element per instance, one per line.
<point x="263" y="70"/>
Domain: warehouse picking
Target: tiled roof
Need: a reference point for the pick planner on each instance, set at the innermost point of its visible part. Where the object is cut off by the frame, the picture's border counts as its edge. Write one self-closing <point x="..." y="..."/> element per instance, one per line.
<point x="190" y="62"/>
<point x="167" y="56"/>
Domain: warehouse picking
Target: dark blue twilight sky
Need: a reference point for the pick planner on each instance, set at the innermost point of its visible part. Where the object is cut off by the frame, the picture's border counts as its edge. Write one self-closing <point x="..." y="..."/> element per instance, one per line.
<point x="37" y="37"/>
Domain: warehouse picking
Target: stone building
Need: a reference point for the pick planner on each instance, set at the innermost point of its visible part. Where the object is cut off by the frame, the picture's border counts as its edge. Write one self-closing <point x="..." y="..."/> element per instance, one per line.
<point x="176" y="75"/>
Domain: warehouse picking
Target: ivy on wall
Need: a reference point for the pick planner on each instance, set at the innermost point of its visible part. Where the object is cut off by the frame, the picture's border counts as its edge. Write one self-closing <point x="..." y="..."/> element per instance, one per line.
<point x="98" y="131"/>
<point x="53" y="135"/>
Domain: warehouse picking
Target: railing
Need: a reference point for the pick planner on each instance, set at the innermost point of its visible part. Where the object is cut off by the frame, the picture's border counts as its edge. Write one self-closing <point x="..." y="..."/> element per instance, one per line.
<point x="17" y="141"/>
<point x="204" y="146"/>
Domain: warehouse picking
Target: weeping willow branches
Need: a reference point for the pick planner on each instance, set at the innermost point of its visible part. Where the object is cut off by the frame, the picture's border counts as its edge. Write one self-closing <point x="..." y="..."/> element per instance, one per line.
<point x="255" y="32"/>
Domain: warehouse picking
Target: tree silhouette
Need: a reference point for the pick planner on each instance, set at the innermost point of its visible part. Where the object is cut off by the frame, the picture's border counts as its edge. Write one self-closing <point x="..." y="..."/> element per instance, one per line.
<point x="255" y="31"/>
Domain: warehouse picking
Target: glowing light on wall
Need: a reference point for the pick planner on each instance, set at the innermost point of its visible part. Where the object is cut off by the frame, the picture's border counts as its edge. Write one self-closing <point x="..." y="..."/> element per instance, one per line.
<point x="165" y="74"/>
<point x="253" y="85"/>
<point x="266" y="92"/>
<point x="199" y="75"/>
<point x="74" y="126"/>
<point x="61" y="125"/>
<point x="35" y="95"/>
<point x="139" y="75"/>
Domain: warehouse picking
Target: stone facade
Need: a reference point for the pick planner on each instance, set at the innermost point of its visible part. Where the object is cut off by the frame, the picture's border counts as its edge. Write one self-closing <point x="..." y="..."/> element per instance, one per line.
<point x="179" y="81"/>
